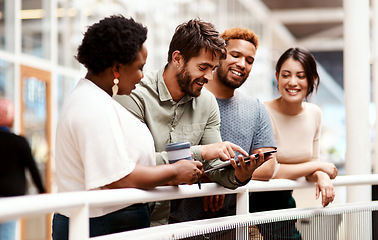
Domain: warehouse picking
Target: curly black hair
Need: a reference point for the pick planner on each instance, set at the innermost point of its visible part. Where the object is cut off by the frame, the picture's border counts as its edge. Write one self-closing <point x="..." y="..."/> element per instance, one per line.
<point x="114" y="39"/>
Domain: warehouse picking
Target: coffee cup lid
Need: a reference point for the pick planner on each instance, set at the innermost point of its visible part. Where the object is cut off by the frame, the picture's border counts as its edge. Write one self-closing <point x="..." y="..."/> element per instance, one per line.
<point x="177" y="146"/>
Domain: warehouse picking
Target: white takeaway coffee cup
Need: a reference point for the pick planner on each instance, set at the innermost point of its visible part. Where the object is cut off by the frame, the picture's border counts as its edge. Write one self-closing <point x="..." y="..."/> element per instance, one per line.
<point x="178" y="151"/>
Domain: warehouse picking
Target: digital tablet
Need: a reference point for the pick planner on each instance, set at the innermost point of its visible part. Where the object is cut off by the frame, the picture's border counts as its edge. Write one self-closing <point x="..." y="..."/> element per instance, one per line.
<point x="246" y="159"/>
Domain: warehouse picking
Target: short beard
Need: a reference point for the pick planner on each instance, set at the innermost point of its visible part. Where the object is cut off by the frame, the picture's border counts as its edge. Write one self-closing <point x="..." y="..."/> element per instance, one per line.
<point x="184" y="80"/>
<point x="222" y="76"/>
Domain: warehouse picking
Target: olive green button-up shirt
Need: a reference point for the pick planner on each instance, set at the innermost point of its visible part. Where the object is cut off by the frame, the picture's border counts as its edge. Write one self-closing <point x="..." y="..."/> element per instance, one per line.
<point x="193" y="119"/>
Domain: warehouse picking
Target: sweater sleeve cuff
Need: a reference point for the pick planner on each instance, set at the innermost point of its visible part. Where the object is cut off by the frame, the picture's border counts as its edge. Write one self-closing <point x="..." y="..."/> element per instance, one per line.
<point x="235" y="181"/>
<point x="242" y="183"/>
<point x="196" y="150"/>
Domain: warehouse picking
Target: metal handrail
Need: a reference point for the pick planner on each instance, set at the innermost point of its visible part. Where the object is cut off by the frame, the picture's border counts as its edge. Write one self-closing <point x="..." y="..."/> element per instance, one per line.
<point x="81" y="202"/>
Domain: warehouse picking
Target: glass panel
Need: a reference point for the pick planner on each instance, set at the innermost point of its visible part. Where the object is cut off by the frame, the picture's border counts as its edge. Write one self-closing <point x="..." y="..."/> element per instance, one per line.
<point x="3" y="82"/>
<point x="34" y="119"/>
<point x="35" y="124"/>
<point x="2" y="25"/>
<point x="36" y="127"/>
<point x="32" y="28"/>
<point x="64" y="87"/>
<point x="7" y="80"/>
<point x="70" y="34"/>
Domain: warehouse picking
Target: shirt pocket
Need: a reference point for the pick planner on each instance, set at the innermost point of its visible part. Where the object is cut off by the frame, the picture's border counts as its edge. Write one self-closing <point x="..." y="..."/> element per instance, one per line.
<point x="193" y="132"/>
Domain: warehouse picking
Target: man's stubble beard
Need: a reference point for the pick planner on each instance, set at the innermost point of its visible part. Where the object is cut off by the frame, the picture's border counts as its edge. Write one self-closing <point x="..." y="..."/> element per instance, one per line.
<point x="222" y="76"/>
<point x="184" y="80"/>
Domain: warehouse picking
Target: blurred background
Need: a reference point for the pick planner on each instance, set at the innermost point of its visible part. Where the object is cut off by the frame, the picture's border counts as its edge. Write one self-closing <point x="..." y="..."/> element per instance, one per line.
<point x="39" y="38"/>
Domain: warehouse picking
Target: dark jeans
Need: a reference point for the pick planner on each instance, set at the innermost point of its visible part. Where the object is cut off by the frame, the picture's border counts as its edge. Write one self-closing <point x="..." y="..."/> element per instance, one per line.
<point x="133" y="217"/>
<point x="273" y="200"/>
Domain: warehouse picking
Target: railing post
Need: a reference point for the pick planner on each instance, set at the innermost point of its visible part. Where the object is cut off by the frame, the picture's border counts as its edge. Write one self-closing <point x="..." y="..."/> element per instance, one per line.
<point x="242" y="202"/>
<point x="79" y="223"/>
<point x="242" y="207"/>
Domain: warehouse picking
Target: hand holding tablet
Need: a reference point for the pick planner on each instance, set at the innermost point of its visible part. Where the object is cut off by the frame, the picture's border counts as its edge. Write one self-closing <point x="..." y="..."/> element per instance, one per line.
<point x="247" y="160"/>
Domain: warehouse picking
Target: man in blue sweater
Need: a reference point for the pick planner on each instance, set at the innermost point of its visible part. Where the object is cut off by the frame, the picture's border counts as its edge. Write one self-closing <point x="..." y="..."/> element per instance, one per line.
<point x="244" y="120"/>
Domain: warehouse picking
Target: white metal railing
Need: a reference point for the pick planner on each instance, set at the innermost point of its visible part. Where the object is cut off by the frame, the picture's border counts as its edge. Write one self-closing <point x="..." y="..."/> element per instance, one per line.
<point x="316" y="223"/>
<point x="81" y="202"/>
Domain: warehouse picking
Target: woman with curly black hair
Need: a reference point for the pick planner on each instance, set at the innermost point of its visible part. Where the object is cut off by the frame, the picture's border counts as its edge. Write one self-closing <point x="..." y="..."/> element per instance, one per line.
<point x="99" y="144"/>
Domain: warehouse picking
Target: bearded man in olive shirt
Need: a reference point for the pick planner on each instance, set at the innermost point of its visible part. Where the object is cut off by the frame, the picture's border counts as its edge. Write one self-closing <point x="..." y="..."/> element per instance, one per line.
<point x="175" y="107"/>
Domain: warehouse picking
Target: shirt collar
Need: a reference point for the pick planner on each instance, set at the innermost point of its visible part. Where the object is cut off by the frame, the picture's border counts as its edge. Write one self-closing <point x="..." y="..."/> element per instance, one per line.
<point x="163" y="91"/>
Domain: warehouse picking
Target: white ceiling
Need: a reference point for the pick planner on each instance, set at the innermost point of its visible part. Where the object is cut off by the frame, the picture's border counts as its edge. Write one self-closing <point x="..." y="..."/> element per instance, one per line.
<point x="316" y="25"/>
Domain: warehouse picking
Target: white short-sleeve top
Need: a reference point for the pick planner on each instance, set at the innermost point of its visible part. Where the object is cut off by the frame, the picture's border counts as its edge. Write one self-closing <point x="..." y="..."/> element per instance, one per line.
<point x="98" y="142"/>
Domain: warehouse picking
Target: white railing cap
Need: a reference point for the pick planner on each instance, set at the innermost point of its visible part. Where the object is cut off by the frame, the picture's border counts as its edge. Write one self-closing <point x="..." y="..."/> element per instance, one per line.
<point x="14" y="207"/>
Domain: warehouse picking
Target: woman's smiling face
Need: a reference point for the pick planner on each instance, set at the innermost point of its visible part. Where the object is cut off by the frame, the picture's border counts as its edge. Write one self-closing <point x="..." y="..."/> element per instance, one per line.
<point x="292" y="81"/>
<point x="132" y="73"/>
